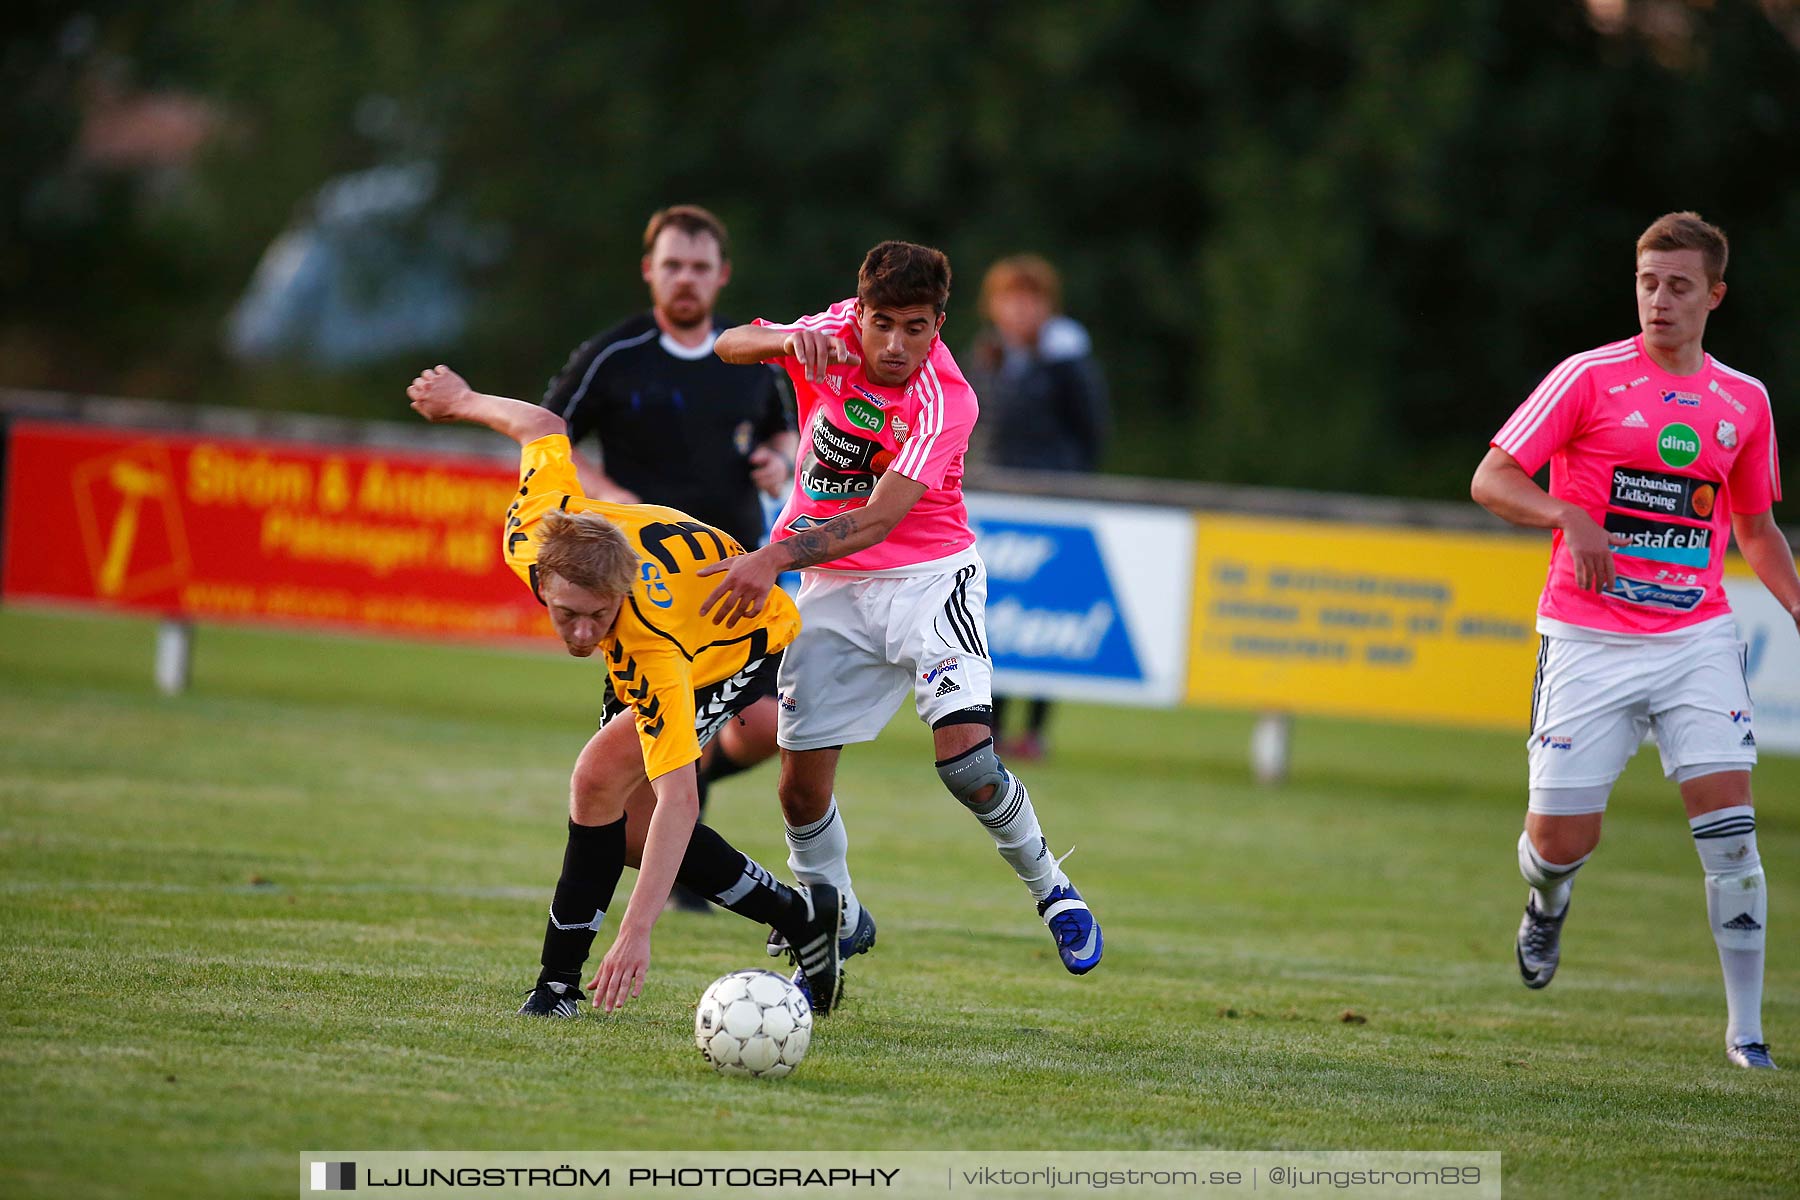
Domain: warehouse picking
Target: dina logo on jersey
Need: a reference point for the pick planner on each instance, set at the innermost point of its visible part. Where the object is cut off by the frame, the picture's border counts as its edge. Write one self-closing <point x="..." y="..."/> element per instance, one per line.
<point x="1678" y="444"/>
<point x="865" y="415"/>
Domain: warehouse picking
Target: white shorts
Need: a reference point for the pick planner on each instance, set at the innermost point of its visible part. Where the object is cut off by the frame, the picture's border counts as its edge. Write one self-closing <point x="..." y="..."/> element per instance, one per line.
<point x="866" y="639"/>
<point x="1593" y="703"/>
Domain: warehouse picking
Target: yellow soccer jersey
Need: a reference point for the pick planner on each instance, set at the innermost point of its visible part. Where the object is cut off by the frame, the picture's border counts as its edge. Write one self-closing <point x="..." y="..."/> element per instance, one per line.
<point x="660" y="650"/>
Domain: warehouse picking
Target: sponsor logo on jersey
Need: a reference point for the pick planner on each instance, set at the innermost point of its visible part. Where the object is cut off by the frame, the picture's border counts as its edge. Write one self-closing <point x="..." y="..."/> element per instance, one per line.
<point x="871" y="397"/>
<point x="1683" y="399"/>
<point x="1552" y="742"/>
<point x="1665" y="495"/>
<point x="822" y="483"/>
<point x="865" y="415"/>
<point x="1656" y="595"/>
<point x="1727" y="434"/>
<point x="1635" y="421"/>
<point x="1638" y="380"/>
<point x="655" y="590"/>
<point x="949" y="664"/>
<point x="1727" y="397"/>
<point x="1615" y="389"/>
<point x="1678" y="444"/>
<point x="841" y="450"/>
<point x="1688" y="545"/>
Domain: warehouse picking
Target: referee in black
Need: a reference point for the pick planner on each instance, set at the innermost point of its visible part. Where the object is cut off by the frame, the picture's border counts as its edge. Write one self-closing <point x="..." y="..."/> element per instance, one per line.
<point x="656" y="417"/>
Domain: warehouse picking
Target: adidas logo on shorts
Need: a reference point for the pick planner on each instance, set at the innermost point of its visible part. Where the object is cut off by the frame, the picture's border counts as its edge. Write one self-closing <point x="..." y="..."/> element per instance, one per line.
<point x="1743" y="922"/>
<point x="946" y="686"/>
<point x="1749" y="739"/>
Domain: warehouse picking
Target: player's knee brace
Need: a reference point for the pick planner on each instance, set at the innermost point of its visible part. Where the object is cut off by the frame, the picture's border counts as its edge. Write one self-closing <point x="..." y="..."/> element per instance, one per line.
<point x="973" y="771"/>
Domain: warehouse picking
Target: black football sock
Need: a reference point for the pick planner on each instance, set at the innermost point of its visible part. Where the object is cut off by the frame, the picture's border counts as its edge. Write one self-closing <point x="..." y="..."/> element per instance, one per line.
<point x="734" y="880"/>
<point x="721" y="765"/>
<point x="592" y="863"/>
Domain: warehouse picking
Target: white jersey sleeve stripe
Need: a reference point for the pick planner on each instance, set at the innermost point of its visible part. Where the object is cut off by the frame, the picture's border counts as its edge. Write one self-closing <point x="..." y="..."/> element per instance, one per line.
<point x="1548" y="393"/>
<point x="931" y="420"/>
<point x="1513" y="436"/>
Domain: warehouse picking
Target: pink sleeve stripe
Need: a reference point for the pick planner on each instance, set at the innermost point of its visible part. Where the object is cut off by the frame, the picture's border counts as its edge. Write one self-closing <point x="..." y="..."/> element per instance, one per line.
<point x="931" y="421"/>
<point x="1524" y="423"/>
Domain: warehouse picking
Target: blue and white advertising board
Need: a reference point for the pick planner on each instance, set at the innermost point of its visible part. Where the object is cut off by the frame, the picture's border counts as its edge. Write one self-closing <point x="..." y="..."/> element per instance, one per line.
<point x="1771" y="661"/>
<point x="1086" y="601"/>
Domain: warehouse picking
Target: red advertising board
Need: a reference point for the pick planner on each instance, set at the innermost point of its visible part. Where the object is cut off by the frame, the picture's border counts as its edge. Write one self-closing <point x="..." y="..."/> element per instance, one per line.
<point x="218" y="528"/>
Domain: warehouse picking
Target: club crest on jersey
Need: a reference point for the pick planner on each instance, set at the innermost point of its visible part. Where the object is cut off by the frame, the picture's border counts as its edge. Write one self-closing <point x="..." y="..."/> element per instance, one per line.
<point x="1727" y="434"/>
<point x="949" y="664"/>
<point x="902" y="430"/>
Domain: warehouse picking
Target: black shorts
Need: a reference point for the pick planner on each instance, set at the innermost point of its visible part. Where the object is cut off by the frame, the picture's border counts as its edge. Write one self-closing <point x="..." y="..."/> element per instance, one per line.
<point x="716" y="703"/>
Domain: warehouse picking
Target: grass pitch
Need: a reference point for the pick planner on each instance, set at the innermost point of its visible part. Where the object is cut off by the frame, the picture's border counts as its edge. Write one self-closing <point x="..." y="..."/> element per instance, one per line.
<point x="295" y="909"/>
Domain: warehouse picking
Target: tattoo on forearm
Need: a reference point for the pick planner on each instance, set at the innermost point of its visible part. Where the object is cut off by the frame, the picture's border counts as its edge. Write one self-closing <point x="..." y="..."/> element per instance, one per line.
<point x="822" y="543"/>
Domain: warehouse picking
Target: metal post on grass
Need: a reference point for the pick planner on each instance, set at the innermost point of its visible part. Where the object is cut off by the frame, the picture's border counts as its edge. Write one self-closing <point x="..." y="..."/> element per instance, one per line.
<point x="1271" y="745"/>
<point x="174" y="656"/>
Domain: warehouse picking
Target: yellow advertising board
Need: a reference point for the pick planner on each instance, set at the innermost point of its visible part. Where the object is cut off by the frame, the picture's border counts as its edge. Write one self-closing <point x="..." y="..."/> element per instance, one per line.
<point x="1365" y="621"/>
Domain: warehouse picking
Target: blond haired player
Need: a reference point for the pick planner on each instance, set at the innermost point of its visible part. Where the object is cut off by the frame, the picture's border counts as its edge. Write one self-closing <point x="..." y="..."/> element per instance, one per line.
<point x="1658" y="455"/>
<point x="619" y="582"/>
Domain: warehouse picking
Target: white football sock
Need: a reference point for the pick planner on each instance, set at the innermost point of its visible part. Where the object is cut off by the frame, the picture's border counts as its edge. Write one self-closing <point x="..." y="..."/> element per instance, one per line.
<point x="1737" y="908"/>
<point x="820" y="853"/>
<point x="1550" y="882"/>
<point x="1013" y="824"/>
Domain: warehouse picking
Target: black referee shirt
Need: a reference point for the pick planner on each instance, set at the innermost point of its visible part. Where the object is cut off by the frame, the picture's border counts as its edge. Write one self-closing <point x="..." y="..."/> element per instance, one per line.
<point x="677" y="429"/>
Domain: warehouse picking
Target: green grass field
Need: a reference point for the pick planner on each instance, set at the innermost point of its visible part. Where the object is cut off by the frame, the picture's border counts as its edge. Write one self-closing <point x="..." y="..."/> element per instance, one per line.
<point x="295" y="909"/>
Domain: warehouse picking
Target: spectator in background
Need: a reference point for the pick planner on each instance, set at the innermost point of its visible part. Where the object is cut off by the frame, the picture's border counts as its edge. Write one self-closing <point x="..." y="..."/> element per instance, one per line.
<point x="675" y="425"/>
<point x="1043" y="405"/>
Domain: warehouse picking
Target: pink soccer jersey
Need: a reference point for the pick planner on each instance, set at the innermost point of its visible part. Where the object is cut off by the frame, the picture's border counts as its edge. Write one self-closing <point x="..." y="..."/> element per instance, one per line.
<point x="852" y="431"/>
<point x="1663" y="460"/>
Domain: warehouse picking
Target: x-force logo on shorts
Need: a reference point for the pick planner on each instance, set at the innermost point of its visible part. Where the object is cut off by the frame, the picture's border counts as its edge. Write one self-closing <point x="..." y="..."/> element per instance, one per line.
<point x="1656" y="595"/>
<point x="1678" y="444"/>
<point x="1689" y="545"/>
<point x="949" y="664"/>
<point x="1665" y="495"/>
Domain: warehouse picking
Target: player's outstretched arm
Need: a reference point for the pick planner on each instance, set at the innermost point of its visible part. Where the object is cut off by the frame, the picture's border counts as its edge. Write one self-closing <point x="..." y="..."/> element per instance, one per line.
<point x="748" y="577"/>
<point x="621" y="973"/>
<point x="1766" y="549"/>
<point x="440" y="394"/>
<point x="1503" y="488"/>
<point x="758" y="343"/>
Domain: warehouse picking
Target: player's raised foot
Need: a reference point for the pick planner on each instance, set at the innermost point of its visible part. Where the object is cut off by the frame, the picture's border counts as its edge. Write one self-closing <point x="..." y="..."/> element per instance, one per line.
<point x="1077" y="934"/>
<point x="813" y="946"/>
<point x="1539" y="945"/>
<point x="859" y="940"/>
<point x="552" y="999"/>
<point x="1752" y="1056"/>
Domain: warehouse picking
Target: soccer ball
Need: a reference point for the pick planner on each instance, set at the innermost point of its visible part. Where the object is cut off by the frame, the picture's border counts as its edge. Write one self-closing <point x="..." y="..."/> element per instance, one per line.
<point x="753" y="1023"/>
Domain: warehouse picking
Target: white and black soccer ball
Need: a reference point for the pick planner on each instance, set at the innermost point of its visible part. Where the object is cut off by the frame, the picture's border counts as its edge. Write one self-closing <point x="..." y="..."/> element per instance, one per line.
<point x="753" y="1023"/>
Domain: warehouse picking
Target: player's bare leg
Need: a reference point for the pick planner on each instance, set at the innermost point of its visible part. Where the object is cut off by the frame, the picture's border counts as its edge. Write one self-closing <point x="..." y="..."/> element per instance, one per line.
<point x="973" y="773"/>
<point x="1722" y="818"/>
